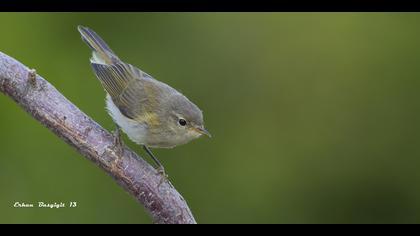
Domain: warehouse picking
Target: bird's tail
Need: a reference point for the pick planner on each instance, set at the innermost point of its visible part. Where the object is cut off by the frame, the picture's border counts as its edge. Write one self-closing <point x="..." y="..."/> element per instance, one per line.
<point x="102" y="53"/>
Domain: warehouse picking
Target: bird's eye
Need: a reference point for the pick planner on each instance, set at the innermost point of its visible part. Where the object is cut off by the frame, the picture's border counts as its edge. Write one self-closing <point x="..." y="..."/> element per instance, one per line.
<point x="182" y="122"/>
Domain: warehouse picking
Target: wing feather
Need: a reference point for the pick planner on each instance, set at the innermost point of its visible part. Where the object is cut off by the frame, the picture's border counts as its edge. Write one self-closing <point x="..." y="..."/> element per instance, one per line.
<point x="129" y="90"/>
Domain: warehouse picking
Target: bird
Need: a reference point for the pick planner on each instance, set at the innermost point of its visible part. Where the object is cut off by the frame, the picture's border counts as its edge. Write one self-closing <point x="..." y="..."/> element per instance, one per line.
<point x="151" y="113"/>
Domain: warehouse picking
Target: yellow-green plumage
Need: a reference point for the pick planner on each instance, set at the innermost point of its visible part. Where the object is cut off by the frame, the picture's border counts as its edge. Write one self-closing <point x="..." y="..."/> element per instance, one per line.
<point x="146" y="109"/>
<point x="131" y="92"/>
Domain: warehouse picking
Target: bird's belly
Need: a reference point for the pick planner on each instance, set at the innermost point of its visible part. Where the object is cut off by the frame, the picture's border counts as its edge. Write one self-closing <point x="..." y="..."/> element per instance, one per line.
<point x="136" y="131"/>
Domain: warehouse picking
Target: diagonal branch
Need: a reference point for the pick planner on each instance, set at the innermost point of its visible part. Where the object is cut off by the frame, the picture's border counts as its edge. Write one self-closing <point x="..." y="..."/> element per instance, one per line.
<point x="41" y="100"/>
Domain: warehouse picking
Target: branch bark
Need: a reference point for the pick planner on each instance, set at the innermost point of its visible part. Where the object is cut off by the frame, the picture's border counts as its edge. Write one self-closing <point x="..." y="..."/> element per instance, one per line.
<point x="42" y="101"/>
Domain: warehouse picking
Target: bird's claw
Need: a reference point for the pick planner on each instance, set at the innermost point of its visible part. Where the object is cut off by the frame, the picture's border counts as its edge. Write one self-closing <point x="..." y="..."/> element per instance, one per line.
<point x="118" y="142"/>
<point x="164" y="176"/>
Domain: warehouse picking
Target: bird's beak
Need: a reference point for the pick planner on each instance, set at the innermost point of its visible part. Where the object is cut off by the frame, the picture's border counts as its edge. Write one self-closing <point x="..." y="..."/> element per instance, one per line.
<point x="202" y="130"/>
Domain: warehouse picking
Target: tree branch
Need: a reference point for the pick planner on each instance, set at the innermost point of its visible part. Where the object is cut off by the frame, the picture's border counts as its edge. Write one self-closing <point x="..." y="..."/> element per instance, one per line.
<point x="41" y="100"/>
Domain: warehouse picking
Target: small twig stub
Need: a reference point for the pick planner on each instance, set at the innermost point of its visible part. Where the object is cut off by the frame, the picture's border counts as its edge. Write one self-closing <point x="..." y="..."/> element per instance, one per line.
<point x="32" y="77"/>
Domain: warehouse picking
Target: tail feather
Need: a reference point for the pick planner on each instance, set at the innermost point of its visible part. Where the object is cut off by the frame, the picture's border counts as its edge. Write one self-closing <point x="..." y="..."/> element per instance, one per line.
<point x="102" y="53"/>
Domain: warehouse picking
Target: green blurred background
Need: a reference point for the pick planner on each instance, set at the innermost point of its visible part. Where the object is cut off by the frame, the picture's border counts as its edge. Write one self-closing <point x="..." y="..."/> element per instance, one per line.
<point x="315" y="116"/>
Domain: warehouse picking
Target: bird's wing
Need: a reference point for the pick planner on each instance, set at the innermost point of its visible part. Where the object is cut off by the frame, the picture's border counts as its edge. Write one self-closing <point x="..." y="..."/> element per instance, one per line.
<point x="135" y="95"/>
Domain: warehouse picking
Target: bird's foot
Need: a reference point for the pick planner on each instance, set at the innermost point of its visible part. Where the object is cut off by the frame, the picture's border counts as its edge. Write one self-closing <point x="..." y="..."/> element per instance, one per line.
<point x="118" y="147"/>
<point x="164" y="176"/>
<point x="118" y="143"/>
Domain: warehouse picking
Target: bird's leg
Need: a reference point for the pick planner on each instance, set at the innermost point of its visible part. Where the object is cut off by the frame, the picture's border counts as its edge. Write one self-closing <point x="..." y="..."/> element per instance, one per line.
<point x="118" y="139"/>
<point x="118" y="144"/>
<point x="160" y="168"/>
